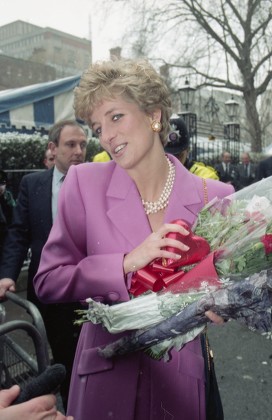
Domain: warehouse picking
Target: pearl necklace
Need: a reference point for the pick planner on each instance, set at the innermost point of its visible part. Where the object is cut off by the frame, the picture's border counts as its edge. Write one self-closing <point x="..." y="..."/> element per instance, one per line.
<point x="151" y="207"/>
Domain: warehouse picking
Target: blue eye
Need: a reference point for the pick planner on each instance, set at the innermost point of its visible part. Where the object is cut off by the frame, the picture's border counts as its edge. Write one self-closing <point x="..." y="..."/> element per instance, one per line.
<point x="117" y="117"/>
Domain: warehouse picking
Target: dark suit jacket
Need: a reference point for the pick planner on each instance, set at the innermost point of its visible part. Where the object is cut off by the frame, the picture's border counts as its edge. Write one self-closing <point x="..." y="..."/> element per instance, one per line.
<point x="7" y="204"/>
<point x="264" y="169"/>
<point x="243" y="180"/>
<point x="31" y="225"/>
<point x="32" y="222"/>
<point x="227" y="177"/>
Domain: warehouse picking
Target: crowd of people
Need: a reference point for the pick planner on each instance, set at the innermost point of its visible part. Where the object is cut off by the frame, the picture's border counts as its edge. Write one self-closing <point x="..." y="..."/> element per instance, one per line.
<point x="90" y="226"/>
<point x="239" y="175"/>
<point x="245" y="173"/>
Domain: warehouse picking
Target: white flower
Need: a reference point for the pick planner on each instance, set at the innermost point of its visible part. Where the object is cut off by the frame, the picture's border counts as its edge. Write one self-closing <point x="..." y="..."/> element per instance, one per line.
<point x="260" y="204"/>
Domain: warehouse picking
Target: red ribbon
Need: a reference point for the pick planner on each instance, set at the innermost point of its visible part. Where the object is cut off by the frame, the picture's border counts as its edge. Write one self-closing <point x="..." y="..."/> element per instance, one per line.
<point x="150" y="278"/>
<point x="162" y="273"/>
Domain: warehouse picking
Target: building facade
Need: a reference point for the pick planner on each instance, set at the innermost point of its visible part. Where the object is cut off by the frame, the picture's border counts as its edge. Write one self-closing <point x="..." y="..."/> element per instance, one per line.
<point x="16" y="72"/>
<point x="67" y="54"/>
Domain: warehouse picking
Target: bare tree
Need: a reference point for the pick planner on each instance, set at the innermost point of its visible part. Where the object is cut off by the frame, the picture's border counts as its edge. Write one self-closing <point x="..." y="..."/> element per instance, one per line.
<point x="224" y="43"/>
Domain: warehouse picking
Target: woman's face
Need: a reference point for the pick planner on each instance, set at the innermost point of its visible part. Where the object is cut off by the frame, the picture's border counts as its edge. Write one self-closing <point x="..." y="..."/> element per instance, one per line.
<point x="124" y="130"/>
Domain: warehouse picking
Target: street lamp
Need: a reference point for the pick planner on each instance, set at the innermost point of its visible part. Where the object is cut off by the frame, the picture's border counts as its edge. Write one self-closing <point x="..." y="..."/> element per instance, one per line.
<point x="232" y="107"/>
<point x="186" y="94"/>
<point x="232" y="129"/>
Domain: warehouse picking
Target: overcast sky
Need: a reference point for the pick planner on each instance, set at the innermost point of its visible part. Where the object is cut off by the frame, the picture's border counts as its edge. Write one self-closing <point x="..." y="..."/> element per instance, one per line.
<point x="72" y="16"/>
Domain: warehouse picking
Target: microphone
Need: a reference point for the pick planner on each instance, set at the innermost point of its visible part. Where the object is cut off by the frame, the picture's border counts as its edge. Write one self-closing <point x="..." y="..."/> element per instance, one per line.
<point x="46" y="383"/>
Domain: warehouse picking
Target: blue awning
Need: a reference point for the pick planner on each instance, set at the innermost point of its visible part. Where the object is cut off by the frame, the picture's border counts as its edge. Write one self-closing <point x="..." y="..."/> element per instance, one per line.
<point x="39" y="105"/>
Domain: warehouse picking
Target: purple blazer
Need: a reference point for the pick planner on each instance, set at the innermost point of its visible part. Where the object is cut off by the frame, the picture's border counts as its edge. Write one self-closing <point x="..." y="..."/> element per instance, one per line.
<point x="101" y="218"/>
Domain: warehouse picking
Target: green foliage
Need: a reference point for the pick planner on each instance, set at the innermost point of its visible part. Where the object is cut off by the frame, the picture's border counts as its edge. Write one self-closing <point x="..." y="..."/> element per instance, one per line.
<point x="26" y="151"/>
<point x="22" y="151"/>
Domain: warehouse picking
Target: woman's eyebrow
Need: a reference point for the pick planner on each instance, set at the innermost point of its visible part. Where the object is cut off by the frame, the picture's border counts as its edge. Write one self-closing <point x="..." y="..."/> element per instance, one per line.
<point x="106" y="113"/>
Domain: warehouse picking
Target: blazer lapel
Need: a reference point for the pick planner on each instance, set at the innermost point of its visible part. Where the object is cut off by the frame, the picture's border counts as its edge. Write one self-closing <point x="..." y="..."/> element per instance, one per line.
<point x="125" y="208"/>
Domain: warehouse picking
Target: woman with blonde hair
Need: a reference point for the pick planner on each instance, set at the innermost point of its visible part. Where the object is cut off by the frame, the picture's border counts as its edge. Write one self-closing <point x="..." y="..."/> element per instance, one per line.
<point x="113" y="220"/>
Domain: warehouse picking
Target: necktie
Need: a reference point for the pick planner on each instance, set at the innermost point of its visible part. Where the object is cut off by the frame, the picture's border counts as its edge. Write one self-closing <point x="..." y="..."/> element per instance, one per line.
<point x="62" y="179"/>
<point x="246" y="169"/>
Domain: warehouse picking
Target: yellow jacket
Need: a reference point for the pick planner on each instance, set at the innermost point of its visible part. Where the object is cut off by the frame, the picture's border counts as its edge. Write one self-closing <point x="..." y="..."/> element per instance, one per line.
<point x="204" y="171"/>
<point x="101" y="157"/>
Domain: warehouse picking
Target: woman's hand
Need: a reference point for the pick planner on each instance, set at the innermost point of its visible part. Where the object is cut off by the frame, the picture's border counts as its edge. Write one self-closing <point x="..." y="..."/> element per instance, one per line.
<point x="153" y="248"/>
<point x="215" y="318"/>
<point x="40" y="408"/>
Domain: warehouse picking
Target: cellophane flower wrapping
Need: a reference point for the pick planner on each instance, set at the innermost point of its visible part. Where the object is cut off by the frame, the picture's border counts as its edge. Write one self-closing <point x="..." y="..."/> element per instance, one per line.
<point x="238" y="229"/>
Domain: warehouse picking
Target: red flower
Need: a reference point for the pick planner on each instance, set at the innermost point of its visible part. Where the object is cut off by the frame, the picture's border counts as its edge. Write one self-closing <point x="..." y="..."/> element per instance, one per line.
<point x="267" y="241"/>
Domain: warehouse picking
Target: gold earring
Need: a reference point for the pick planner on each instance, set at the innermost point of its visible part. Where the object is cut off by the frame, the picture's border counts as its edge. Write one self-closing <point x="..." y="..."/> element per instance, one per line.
<point x="156" y="126"/>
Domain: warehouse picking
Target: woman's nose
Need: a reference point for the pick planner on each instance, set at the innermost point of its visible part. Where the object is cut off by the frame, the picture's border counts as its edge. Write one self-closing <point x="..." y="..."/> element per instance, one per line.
<point x="106" y="134"/>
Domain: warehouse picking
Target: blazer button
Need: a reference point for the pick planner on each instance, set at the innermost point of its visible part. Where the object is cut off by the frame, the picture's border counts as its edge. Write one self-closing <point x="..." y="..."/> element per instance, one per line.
<point x="113" y="296"/>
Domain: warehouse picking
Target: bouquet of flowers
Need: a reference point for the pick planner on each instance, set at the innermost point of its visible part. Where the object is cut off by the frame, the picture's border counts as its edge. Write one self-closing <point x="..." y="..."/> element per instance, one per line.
<point x="231" y="240"/>
<point x="249" y="301"/>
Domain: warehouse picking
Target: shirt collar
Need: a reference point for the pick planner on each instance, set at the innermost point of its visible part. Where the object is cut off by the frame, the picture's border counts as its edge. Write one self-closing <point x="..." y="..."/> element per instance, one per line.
<point x="57" y="175"/>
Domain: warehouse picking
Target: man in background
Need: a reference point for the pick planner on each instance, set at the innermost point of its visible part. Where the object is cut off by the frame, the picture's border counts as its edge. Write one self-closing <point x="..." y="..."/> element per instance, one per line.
<point x="227" y="170"/>
<point x="246" y="172"/>
<point x="33" y="217"/>
<point x="7" y="204"/>
<point x="49" y="160"/>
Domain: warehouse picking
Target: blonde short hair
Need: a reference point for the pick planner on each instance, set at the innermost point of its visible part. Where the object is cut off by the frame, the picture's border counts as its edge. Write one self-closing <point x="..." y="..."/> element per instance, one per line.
<point x="136" y="80"/>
